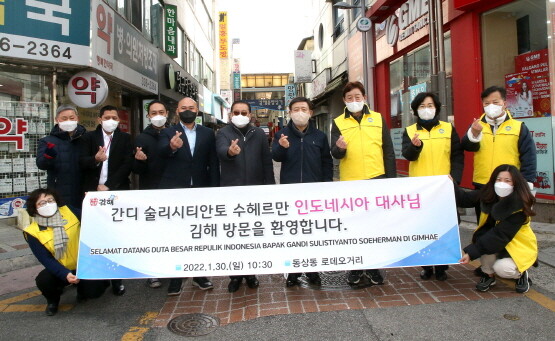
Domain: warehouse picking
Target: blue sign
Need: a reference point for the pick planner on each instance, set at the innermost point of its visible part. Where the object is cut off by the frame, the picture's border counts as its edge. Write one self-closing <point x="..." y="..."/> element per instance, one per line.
<point x="416" y="89"/>
<point x="271" y="104"/>
<point x="67" y="22"/>
<point x="290" y="93"/>
<point x="46" y="30"/>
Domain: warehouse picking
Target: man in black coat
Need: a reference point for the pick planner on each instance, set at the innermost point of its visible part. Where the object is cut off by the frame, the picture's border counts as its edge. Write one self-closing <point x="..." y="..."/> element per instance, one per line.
<point x="58" y="154"/>
<point x="189" y="150"/>
<point x="305" y="157"/>
<point x="245" y="159"/>
<point x="106" y="154"/>
<point x="106" y="160"/>
<point x="148" y="163"/>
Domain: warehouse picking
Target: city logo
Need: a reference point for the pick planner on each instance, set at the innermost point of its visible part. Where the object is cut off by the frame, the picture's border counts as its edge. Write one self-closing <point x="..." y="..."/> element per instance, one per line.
<point x="370" y="119"/>
<point x="508" y="128"/>
<point x="441" y="131"/>
<point x="103" y="201"/>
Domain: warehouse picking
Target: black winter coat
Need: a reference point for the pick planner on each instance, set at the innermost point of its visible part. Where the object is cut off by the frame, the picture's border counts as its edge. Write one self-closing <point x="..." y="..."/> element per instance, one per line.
<point x="120" y="160"/>
<point x="308" y="158"/>
<point x="150" y="170"/>
<point x="202" y="168"/>
<point x="63" y="173"/>
<point x="253" y="166"/>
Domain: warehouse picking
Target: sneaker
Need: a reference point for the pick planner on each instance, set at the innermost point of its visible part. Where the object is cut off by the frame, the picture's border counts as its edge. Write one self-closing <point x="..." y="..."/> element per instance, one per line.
<point x="374" y="276"/>
<point x="523" y="283"/>
<point x="203" y="283"/>
<point x="354" y="276"/>
<point x="485" y="283"/>
<point x="174" y="288"/>
<point x="154" y="282"/>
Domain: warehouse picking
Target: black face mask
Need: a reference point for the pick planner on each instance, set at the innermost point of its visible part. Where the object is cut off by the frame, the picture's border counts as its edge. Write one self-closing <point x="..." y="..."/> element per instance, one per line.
<point x="187" y="116"/>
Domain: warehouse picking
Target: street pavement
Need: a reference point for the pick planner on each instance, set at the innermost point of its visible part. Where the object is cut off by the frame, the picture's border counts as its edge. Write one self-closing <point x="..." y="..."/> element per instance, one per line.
<point x="404" y="308"/>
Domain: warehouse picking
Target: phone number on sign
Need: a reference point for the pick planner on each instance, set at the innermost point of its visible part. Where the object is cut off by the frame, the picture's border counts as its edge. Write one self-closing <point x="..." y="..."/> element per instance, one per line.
<point x="148" y="84"/>
<point x="32" y="48"/>
<point x="220" y="266"/>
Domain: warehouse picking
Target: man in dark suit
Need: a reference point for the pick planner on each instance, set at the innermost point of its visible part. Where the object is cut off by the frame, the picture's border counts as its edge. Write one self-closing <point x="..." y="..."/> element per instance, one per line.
<point x="106" y="160"/>
<point x="191" y="161"/>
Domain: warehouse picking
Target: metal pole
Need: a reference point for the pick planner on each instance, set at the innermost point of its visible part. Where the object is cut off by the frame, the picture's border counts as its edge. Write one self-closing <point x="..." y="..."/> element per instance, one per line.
<point x="433" y="36"/>
<point x="364" y="49"/>
<point x="439" y="30"/>
<point x="54" y="94"/>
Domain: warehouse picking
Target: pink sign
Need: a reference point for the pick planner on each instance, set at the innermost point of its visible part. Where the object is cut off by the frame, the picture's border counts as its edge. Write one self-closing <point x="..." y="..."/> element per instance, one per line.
<point x="519" y="95"/>
<point x="537" y="65"/>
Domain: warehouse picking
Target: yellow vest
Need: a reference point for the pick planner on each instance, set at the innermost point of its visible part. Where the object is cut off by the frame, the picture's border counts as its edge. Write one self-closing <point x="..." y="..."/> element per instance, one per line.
<point x="435" y="156"/>
<point x="498" y="149"/>
<point x="46" y="237"/>
<point x="523" y="249"/>
<point x="364" y="157"/>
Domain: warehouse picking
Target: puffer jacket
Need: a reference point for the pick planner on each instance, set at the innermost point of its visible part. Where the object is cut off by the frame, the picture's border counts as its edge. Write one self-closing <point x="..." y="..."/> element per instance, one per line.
<point x="63" y="172"/>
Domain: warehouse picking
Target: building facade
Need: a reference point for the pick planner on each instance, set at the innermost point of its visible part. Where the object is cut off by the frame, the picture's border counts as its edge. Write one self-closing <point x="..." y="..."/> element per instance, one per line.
<point x="142" y="49"/>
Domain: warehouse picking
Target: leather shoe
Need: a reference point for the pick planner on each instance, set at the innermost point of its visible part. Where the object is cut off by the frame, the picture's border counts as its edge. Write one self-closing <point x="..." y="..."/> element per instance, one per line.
<point x="234" y="284"/>
<point x="292" y="280"/>
<point x="426" y="273"/>
<point x="118" y="288"/>
<point x="252" y="282"/>
<point x="314" y="278"/>
<point x="51" y="309"/>
<point x="441" y="275"/>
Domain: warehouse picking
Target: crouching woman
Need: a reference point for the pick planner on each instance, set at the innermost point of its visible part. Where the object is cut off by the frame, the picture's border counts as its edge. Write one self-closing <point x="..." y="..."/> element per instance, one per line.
<point x="53" y="238"/>
<point x="504" y="241"/>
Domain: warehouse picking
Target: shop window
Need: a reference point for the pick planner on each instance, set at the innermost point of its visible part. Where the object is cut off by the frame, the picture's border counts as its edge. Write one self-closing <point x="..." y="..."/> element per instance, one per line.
<point x="356" y="11"/>
<point x="321" y="36"/>
<point x="28" y="97"/>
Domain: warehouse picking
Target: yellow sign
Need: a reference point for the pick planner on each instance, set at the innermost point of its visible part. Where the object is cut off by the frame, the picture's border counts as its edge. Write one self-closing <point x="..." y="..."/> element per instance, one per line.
<point x="1" y="13"/>
<point x="223" y="36"/>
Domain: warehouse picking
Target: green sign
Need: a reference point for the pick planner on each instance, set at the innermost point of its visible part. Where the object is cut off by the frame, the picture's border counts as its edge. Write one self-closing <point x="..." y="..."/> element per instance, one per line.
<point x="170" y="28"/>
<point x="236" y="81"/>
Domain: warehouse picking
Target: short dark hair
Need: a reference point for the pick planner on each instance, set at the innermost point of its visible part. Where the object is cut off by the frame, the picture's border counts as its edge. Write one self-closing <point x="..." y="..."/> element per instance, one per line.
<point x="107" y="108"/>
<point x="156" y="102"/>
<point x="34" y="198"/>
<point x="493" y="89"/>
<point x="354" y="85"/>
<point x="240" y="102"/>
<point x="420" y="98"/>
<point x="301" y="99"/>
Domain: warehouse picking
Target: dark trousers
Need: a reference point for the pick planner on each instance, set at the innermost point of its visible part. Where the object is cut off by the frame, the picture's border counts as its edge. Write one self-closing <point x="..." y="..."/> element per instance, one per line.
<point x="52" y="287"/>
<point x="478" y="208"/>
<point x="241" y="277"/>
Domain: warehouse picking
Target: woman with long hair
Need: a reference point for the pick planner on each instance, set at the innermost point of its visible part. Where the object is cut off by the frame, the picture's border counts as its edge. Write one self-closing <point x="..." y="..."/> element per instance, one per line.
<point x="504" y="241"/>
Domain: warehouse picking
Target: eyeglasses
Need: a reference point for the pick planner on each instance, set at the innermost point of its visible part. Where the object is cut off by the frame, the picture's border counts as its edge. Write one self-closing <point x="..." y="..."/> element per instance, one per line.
<point x="44" y="202"/>
<point x="244" y="113"/>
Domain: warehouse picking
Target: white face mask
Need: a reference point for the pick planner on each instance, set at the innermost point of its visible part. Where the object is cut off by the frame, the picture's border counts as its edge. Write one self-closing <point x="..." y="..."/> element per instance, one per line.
<point x="300" y="118"/>
<point x="48" y="210"/>
<point x="158" y="120"/>
<point x="493" y="110"/>
<point x="355" y="106"/>
<point x="240" y="121"/>
<point x="502" y="189"/>
<point x="427" y="114"/>
<point x="109" y="125"/>
<point x="67" y="125"/>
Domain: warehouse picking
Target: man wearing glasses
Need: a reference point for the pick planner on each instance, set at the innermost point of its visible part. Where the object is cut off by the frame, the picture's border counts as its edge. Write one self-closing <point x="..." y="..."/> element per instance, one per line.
<point x="189" y="151"/>
<point x="245" y="160"/>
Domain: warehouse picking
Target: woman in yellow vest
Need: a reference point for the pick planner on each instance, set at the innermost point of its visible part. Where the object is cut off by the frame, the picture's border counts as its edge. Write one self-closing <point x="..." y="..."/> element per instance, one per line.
<point x="53" y="237"/>
<point x="504" y="241"/>
<point x="433" y="148"/>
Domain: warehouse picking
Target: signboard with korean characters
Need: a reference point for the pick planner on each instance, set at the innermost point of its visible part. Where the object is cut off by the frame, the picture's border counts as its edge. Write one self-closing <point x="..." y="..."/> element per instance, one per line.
<point x="87" y="89"/>
<point x="290" y="93"/>
<point x="121" y="50"/>
<point x="542" y="132"/>
<point x="170" y="29"/>
<point x="303" y="66"/>
<point x="51" y="31"/>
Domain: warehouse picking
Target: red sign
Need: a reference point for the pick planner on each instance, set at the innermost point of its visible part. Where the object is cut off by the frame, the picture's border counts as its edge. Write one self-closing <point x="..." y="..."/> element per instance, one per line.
<point x="20" y="128"/>
<point x="87" y="89"/>
<point x="537" y="65"/>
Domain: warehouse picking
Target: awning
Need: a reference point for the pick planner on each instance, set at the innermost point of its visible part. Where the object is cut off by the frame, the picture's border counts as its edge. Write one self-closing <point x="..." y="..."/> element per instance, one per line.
<point x="221" y="100"/>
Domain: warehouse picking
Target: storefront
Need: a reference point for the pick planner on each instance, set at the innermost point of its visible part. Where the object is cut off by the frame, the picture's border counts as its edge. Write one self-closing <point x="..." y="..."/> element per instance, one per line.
<point x="39" y="55"/>
<point x="506" y="43"/>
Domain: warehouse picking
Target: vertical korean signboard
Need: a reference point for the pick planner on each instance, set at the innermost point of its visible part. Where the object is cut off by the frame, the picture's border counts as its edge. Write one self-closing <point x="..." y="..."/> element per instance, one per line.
<point x="303" y="66"/>
<point x="290" y="93"/>
<point x="119" y="49"/>
<point x="170" y="28"/>
<point x="224" y="52"/>
<point x="45" y="31"/>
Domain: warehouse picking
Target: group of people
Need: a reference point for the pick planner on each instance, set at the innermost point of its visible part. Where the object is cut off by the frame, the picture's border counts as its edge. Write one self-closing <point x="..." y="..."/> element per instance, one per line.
<point x="189" y="155"/>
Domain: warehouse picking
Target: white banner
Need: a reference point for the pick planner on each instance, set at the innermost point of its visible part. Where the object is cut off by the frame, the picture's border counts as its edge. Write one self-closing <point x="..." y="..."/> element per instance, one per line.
<point x="269" y="229"/>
